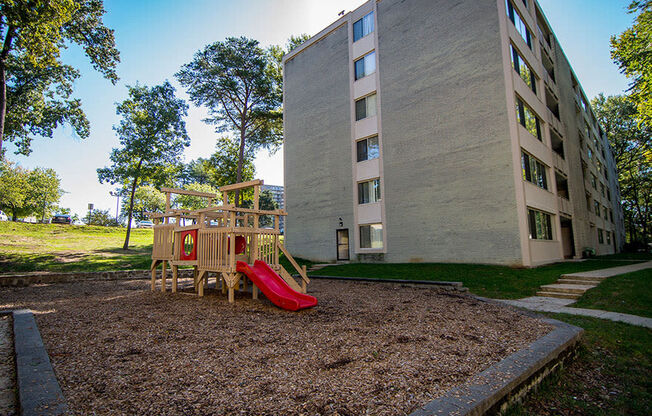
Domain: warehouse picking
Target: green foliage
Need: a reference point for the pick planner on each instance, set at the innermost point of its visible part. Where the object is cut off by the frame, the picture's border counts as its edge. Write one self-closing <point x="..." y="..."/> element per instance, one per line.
<point x="632" y="51"/>
<point x="631" y="142"/>
<point x="197" y="171"/>
<point x="152" y="137"/>
<point x="25" y="192"/>
<point x="610" y="376"/>
<point x="195" y="202"/>
<point x="146" y="199"/>
<point x="224" y="163"/>
<point x="101" y="218"/>
<point x="627" y="293"/>
<point x="55" y="247"/>
<point x="233" y="80"/>
<point x="33" y="34"/>
<point x="500" y="282"/>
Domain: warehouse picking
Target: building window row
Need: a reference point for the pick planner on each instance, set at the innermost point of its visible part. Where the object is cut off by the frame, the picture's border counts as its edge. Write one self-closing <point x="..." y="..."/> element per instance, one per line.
<point x="369" y="191"/>
<point x="365" y="65"/>
<point x="520" y="25"/>
<point x="523" y="69"/>
<point x="540" y="225"/>
<point x="365" y="107"/>
<point x="371" y="236"/>
<point x="368" y="149"/>
<point x="528" y="119"/>
<point x="534" y="171"/>
<point x="363" y="27"/>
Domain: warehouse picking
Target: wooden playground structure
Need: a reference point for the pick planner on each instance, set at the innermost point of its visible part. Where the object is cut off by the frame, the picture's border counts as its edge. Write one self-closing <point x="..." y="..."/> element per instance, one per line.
<point x="219" y="238"/>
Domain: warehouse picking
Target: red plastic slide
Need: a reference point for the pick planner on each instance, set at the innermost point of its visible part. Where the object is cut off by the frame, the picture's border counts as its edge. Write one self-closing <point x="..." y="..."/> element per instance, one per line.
<point x="274" y="287"/>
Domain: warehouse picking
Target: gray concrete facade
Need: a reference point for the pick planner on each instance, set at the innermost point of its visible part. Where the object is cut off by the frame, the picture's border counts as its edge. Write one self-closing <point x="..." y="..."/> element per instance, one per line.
<point x="317" y="134"/>
<point x="447" y="150"/>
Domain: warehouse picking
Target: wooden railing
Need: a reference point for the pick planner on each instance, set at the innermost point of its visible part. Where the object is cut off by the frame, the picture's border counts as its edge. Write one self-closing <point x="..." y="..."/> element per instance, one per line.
<point x="301" y="270"/>
<point x="212" y="250"/>
<point x="163" y="242"/>
<point x="267" y="250"/>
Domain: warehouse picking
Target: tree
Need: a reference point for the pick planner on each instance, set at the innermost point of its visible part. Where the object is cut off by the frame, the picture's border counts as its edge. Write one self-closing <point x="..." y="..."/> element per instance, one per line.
<point x="633" y="54"/>
<point x="197" y="171"/>
<point x="32" y="75"/>
<point x="195" y="202"/>
<point x="152" y="135"/>
<point x="265" y="202"/>
<point x="234" y="81"/>
<point x="225" y="161"/>
<point x="25" y="192"/>
<point x="146" y="199"/>
<point x="101" y="217"/>
<point x="631" y="141"/>
<point x="44" y="192"/>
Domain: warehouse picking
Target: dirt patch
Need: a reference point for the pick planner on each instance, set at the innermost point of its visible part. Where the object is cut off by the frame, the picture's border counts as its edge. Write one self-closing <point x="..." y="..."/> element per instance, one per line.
<point x="366" y="349"/>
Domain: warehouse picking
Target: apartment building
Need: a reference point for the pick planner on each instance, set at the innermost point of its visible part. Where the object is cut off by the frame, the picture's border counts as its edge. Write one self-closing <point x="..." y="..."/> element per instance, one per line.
<point x="440" y="131"/>
<point x="278" y="195"/>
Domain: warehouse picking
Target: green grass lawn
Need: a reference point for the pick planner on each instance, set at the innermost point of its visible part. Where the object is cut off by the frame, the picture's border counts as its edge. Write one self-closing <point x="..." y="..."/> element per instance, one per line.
<point x="484" y="280"/>
<point x="54" y="247"/>
<point x="627" y="293"/>
<point x="611" y="376"/>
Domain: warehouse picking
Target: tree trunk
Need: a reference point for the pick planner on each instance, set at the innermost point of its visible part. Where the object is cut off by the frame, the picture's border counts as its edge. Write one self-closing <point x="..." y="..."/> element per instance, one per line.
<point x="3" y="82"/>
<point x="131" y="206"/>
<point x="240" y="165"/>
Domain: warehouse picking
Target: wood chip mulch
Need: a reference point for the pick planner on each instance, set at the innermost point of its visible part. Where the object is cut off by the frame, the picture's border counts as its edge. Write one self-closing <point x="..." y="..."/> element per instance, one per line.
<point x="380" y="349"/>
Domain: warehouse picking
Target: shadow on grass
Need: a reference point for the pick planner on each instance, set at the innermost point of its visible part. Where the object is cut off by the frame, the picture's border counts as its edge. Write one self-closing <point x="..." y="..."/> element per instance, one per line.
<point x="70" y="262"/>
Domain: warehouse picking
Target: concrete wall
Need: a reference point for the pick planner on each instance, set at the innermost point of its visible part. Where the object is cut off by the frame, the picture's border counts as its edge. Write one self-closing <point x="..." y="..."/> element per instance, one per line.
<point x="449" y="184"/>
<point x="317" y="148"/>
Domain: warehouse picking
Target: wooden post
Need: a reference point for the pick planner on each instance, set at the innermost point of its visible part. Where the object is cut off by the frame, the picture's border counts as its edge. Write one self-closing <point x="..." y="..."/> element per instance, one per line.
<point x="304" y="286"/>
<point x="200" y="283"/>
<point x="254" y="291"/>
<point x="154" y="278"/>
<point x="167" y="206"/>
<point x="223" y="284"/>
<point x="163" y="276"/>
<point x="175" y="276"/>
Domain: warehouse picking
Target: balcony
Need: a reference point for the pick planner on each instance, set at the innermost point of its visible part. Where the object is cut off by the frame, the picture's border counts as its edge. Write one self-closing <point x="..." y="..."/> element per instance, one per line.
<point x="564" y="206"/>
<point x="555" y="123"/>
<point x="559" y="163"/>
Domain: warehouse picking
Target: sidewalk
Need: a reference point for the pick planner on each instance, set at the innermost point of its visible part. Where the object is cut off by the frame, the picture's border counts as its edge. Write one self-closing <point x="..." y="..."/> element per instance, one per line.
<point x="557" y="305"/>
<point x="554" y="305"/>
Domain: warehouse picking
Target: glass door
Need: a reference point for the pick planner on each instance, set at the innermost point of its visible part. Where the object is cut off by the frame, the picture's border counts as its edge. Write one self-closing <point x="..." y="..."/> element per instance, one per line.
<point x="343" y="244"/>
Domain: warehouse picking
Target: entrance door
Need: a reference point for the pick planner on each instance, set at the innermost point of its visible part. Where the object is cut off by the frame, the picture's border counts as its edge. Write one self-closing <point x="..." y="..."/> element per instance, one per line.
<point x="567" y="241"/>
<point x="343" y="244"/>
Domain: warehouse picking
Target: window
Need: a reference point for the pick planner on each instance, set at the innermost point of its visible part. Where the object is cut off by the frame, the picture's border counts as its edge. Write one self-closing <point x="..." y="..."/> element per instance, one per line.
<point x="365" y="65"/>
<point x="588" y="202"/>
<point x="605" y="210"/>
<point x="363" y="27"/>
<point x="611" y="215"/>
<point x="600" y="237"/>
<point x="371" y="236"/>
<point x="526" y="117"/>
<point x="534" y="171"/>
<point x="593" y="182"/>
<point x="540" y="225"/>
<point x="369" y="191"/>
<point x="523" y="69"/>
<point x="365" y="107"/>
<point x="590" y="152"/>
<point x="596" y="206"/>
<point x="368" y="149"/>
<point x="602" y="189"/>
<point x="608" y="194"/>
<point x="521" y="27"/>
<point x="608" y="233"/>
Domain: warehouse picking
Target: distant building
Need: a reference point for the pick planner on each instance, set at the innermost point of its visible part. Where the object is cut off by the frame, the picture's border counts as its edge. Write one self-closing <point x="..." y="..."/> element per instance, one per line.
<point x="279" y="197"/>
<point x="445" y="131"/>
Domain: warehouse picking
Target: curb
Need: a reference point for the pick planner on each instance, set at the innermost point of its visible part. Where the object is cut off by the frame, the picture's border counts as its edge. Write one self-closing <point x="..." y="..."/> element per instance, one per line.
<point x="507" y="381"/>
<point x="27" y="279"/>
<point x="39" y="392"/>
<point x="450" y="285"/>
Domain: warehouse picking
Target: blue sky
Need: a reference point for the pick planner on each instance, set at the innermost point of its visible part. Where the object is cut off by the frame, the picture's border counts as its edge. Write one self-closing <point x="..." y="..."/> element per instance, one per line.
<point x="156" y="37"/>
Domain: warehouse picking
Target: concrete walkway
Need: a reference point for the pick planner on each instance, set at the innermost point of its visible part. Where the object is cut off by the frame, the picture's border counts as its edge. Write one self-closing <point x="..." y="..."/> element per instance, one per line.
<point x="554" y="305"/>
<point x="557" y="305"/>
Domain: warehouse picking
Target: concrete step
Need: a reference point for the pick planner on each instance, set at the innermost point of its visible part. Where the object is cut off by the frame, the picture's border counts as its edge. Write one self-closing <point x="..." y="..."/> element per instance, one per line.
<point x="558" y="295"/>
<point x="569" y="281"/>
<point x="563" y="288"/>
<point x="583" y="278"/>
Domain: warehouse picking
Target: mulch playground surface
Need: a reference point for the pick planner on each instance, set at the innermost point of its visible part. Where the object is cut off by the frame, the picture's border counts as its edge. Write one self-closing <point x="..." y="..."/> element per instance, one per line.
<point x="380" y="349"/>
